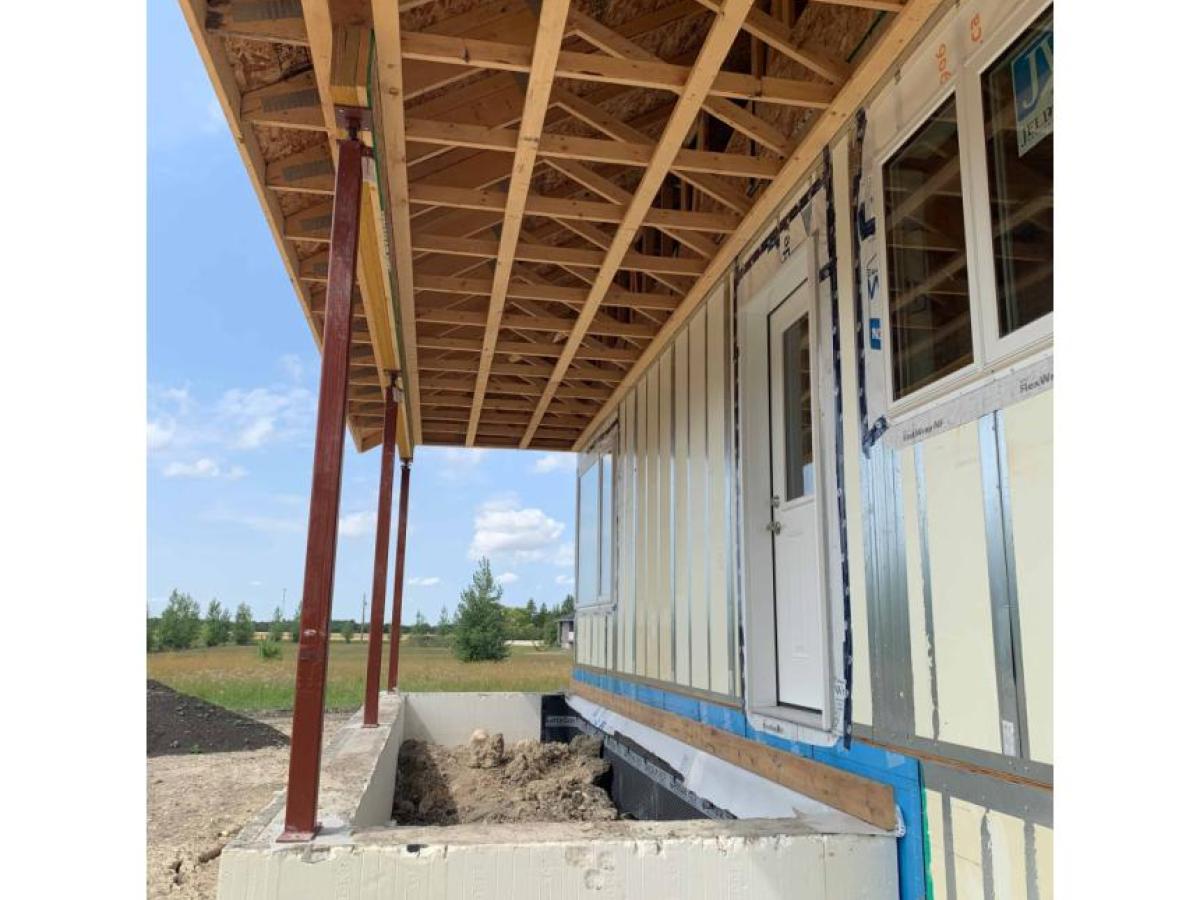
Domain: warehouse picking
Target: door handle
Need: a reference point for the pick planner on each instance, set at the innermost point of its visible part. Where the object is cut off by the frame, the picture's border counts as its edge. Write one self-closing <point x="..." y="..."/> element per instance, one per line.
<point x="775" y="527"/>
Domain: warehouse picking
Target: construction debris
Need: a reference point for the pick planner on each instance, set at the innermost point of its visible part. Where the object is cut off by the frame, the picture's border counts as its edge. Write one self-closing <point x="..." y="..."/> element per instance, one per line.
<point x="482" y="781"/>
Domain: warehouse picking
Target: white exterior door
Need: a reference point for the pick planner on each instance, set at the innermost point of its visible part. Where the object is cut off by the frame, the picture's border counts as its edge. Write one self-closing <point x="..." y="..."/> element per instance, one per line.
<point x="795" y="504"/>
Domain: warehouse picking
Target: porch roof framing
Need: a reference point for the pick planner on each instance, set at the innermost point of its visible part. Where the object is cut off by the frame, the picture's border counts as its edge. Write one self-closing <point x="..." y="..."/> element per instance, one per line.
<point x="539" y="218"/>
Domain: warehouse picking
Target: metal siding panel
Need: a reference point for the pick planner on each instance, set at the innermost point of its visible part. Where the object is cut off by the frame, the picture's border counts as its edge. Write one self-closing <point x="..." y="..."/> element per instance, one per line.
<point x="967" y="702"/>
<point x="922" y="673"/>
<point x="653" y="525"/>
<point x="665" y="599"/>
<point x="698" y="500"/>
<point x="718" y="587"/>
<point x="1029" y="434"/>
<point x="629" y="529"/>
<point x="683" y="541"/>
<point x="639" y="624"/>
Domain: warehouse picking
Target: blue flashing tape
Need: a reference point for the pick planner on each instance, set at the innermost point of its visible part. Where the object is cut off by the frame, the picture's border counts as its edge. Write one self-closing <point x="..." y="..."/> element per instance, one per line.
<point x="902" y="773"/>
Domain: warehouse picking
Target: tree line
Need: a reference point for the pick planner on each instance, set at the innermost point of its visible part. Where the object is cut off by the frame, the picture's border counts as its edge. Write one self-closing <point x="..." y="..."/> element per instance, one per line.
<point x="480" y="628"/>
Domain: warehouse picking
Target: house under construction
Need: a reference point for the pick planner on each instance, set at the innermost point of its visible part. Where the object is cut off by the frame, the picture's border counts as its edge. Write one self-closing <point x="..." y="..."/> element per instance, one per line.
<point x="781" y="273"/>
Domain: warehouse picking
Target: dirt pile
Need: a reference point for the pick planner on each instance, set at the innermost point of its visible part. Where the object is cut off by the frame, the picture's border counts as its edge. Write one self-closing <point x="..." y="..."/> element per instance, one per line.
<point x="484" y="781"/>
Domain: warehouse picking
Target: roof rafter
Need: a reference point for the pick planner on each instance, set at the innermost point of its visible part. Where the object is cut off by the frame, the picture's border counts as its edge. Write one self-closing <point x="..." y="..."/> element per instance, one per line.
<point x="552" y="23"/>
<point x="703" y="73"/>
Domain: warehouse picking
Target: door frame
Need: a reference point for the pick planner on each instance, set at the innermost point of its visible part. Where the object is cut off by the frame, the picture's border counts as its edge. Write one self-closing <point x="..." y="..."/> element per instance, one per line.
<point x="757" y="573"/>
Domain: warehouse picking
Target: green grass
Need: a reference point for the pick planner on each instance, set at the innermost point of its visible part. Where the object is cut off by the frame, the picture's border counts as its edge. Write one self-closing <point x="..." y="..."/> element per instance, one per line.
<point x="237" y="678"/>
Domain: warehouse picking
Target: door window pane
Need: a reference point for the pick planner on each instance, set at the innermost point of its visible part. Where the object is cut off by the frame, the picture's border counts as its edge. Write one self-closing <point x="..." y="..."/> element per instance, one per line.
<point x="606" y="522"/>
<point x="928" y="302"/>
<point x="1018" y="109"/>
<point x="589" y="520"/>
<point x="797" y="411"/>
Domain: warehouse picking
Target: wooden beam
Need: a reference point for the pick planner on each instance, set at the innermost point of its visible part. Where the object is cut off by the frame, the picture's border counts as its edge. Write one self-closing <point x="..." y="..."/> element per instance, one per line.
<point x="775" y="34"/>
<point x="527" y="348"/>
<point x="552" y="254"/>
<point x="475" y="287"/>
<point x="311" y="223"/>
<point x="309" y="171"/>
<point x="873" y="66"/>
<point x="594" y="67"/>
<point x="291" y="103"/>
<point x="552" y="22"/>
<point x="612" y="42"/>
<point x="892" y="6"/>
<point x="701" y="76"/>
<point x="611" y="328"/>
<point x="390" y="133"/>
<point x="560" y="208"/>
<point x="562" y="146"/>
<point x="853" y="794"/>
<point x="280" y="21"/>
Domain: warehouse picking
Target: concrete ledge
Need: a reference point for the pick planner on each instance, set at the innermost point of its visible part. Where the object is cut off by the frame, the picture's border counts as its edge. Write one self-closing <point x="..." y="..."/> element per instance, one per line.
<point x="358" y="855"/>
<point x="753" y="858"/>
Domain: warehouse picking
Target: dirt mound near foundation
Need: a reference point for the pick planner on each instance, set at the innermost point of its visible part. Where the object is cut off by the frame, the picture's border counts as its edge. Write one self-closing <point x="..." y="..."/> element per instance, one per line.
<point x="178" y="723"/>
<point x="483" y="781"/>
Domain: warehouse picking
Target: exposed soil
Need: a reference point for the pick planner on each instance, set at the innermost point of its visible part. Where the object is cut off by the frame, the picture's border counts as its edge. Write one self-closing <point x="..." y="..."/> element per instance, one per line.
<point x="197" y="799"/>
<point x="485" y="781"/>
<point x="177" y="723"/>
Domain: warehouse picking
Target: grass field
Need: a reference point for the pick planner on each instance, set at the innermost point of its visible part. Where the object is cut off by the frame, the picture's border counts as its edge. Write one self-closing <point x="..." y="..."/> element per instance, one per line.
<point x="236" y="678"/>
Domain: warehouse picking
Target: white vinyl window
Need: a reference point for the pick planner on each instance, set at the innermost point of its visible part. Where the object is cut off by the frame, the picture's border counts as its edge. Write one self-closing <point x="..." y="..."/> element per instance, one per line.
<point x="968" y="221"/>
<point x="595" y="524"/>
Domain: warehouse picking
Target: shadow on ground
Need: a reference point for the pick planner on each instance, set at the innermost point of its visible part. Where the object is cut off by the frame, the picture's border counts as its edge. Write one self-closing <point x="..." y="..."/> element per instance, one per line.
<point x="178" y="723"/>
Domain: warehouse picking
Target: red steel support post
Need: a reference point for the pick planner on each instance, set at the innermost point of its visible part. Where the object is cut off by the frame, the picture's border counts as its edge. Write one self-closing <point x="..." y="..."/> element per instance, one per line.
<point x="398" y="591"/>
<point x="304" y="770"/>
<point x="383" y="522"/>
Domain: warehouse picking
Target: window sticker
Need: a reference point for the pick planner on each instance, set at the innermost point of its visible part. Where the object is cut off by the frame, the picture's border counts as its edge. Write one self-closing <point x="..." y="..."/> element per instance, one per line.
<point x="1033" y="91"/>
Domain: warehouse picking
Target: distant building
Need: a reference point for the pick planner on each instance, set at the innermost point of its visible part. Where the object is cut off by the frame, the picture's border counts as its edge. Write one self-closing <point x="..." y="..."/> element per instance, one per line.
<point x="566" y="631"/>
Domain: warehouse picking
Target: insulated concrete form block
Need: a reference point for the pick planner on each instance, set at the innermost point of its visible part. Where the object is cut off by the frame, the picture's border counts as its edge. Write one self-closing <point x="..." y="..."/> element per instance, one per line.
<point x="753" y="859"/>
<point x="968" y="707"/>
<point x="1029" y="441"/>
<point x="449" y="718"/>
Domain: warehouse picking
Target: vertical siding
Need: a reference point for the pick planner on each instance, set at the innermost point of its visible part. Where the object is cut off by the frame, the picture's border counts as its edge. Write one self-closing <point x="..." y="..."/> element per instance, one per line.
<point x="922" y="676"/>
<point x="663" y="590"/>
<point x="626" y="535"/>
<point x="718" y="521"/>
<point x="654" y="562"/>
<point x="684" y="547"/>
<point x="675" y="610"/>
<point x="641" y="555"/>
<point x="698" y="499"/>
<point x="1029" y="431"/>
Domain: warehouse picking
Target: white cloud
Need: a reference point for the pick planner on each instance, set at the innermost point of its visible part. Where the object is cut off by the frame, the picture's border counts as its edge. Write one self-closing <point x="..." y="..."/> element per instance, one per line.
<point x="201" y="468"/>
<point x="255" y="416"/>
<point x="159" y="434"/>
<point x="357" y="524"/>
<point x="292" y="366"/>
<point x="270" y="524"/>
<point x="554" y="462"/>
<point x="256" y="583"/>
<point x="458" y="463"/>
<point x="564" y="555"/>
<point x="428" y="581"/>
<point x="204" y="467"/>
<point x="564" y="580"/>
<point x="507" y="577"/>
<point x="505" y="530"/>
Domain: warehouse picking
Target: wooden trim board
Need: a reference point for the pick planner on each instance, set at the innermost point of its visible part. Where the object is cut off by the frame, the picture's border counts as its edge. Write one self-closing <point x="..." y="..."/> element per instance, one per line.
<point x="852" y="794"/>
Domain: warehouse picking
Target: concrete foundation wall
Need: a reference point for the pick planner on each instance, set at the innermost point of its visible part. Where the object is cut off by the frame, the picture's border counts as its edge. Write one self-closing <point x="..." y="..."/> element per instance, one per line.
<point x="450" y="718"/>
<point x="356" y="855"/>
<point x="759" y="859"/>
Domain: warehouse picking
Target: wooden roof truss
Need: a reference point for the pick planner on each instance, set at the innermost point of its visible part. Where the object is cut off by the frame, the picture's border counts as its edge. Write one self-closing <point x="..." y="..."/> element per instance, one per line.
<point x="556" y="186"/>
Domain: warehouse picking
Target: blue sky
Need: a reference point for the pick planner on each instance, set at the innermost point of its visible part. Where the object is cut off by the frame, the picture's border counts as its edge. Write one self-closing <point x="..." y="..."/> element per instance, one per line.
<point x="232" y="373"/>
